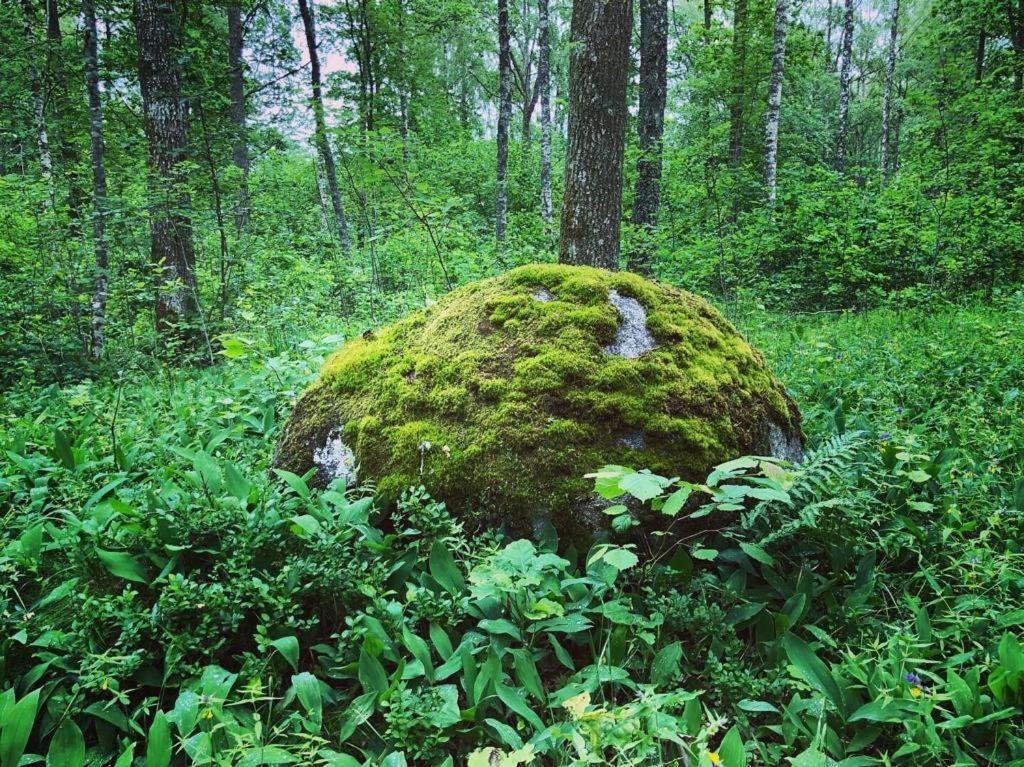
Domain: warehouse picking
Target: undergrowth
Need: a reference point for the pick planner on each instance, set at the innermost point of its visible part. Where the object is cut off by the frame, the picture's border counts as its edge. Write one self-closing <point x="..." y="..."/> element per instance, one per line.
<point x="166" y="599"/>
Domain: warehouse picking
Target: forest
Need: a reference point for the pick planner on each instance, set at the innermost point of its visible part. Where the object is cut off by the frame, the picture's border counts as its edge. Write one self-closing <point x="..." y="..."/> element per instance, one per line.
<point x="496" y="383"/>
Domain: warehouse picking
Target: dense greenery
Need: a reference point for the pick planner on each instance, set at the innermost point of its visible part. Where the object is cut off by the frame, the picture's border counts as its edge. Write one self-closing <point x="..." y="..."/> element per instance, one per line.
<point x="163" y="592"/>
<point x="166" y="597"/>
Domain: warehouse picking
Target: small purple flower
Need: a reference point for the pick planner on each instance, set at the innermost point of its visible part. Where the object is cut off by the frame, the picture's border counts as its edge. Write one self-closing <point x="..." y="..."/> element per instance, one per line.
<point x="884" y="436"/>
<point x="839" y="356"/>
<point x="912" y="678"/>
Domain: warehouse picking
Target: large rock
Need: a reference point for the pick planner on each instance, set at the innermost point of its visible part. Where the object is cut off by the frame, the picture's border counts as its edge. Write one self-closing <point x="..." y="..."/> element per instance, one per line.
<point x="502" y="395"/>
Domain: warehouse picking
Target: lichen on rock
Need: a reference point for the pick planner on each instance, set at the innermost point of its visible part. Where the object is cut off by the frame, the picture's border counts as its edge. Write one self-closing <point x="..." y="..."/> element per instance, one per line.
<point x="514" y="384"/>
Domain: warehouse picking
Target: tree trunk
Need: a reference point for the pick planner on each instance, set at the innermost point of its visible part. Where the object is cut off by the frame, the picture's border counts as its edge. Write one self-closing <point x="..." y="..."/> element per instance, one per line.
<point x="36" y="84"/>
<point x="739" y="65"/>
<point x="544" y="86"/>
<point x="1017" y="39"/>
<point x="165" y="123"/>
<point x="828" y="36"/>
<point x="323" y="145"/>
<point x="707" y="15"/>
<point x="240" y="141"/>
<point x="650" y="125"/>
<point x="979" y="57"/>
<point x="844" y="87"/>
<point x="771" y="129"/>
<point x="504" y="117"/>
<point x="598" y="70"/>
<point x="890" y="75"/>
<point x="99" y="180"/>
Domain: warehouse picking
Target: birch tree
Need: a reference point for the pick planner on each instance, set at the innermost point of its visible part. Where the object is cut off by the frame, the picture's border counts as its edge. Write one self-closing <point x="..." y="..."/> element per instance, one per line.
<point x="99" y="181"/>
<point x="544" y="87"/>
<point x="844" y="86"/>
<point x="504" y="117"/>
<point x="598" y="70"/>
<point x="890" y="76"/>
<point x="771" y="129"/>
<point x="236" y="92"/>
<point x="323" y="144"/>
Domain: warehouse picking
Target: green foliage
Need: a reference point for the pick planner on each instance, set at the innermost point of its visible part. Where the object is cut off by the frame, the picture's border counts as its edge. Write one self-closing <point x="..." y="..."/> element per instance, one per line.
<point x="164" y="597"/>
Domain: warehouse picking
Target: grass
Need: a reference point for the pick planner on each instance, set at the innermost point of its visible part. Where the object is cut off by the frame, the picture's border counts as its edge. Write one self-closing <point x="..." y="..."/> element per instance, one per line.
<point x="170" y="599"/>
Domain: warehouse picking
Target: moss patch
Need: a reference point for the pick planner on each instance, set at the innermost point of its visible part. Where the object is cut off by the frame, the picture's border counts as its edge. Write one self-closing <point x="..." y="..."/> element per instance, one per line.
<point x="501" y="396"/>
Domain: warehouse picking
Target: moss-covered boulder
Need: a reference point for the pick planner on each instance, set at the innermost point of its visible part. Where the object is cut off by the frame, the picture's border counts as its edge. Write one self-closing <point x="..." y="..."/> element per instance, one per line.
<point x="503" y="394"/>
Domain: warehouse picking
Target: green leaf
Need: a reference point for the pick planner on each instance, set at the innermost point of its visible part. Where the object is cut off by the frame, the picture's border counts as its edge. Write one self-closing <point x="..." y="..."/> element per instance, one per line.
<point x="289" y="648"/>
<point x="705" y="554"/>
<point x="235" y="483"/>
<point x="756" y="552"/>
<point x="158" y="742"/>
<point x="17" y="726"/>
<point x="123" y="565"/>
<point x="676" y="501"/>
<point x="295" y="482"/>
<point x="517" y="703"/>
<point x="757" y="707"/>
<point x="444" y="570"/>
<point x="67" y="747"/>
<point x="642" y="485"/>
<point x="371" y="672"/>
<point x="814" y="672"/>
<point x="731" y="749"/>
<point x="307" y="690"/>
<point x="62" y="447"/>
<point x="665" y="668"/>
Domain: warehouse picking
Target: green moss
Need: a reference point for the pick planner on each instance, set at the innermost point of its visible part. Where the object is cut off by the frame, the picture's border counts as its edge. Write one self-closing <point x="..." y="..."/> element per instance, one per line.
<point x="518" y="399"/>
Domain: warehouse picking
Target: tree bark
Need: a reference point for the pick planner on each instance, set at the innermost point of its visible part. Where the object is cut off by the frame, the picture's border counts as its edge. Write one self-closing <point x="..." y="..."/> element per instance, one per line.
<point x="323" y="145"/>
<point x="739" y="65"/>
<point x="1017" y="39"/>
<point x="544" y="86"/>
<point x="707" y="15"/>
<point x="771" y="130"/>
<point x="166" y="125"/>
<point x="890" y="76"/>
<point x="99" y="181"/>
<point x="36" y="84"/>
<point x="240" y="141"/>
<point x="598" y="70"/>
<point x="844" y="87"/>
<point x="504" y="117"/>
<point x="979" y="57"/>
<point x="650" y="125"/>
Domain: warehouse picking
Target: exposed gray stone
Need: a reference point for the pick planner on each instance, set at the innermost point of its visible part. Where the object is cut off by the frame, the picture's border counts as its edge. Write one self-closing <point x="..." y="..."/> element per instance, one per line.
<point x="635" y="440"/>
<point x="784" y="444"/>
<point x="543" y="295"/>
<point x="336" y="459"/>
<point x="633" y="338"/>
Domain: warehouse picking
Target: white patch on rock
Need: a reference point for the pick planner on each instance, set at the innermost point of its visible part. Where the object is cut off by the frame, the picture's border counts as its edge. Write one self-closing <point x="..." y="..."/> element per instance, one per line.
<point x="783" y="444"/>
<point x="634" y="440"/>
<point x="633" y="338"/>
<point x="336" y="459"/>
<point x="543" y="295"/>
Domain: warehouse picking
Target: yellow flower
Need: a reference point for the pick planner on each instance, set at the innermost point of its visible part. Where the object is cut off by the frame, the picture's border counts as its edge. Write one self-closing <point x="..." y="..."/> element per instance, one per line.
<point x="208" y="714"/>
<point x="577" y="704"/>
<point x="916" y="692"/>
<point x="104" y="685"/>
<point x="714" y="758"/>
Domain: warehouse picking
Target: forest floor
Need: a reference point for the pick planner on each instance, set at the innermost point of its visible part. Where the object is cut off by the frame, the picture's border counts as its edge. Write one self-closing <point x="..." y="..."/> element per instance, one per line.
<point x="933" y="398"/>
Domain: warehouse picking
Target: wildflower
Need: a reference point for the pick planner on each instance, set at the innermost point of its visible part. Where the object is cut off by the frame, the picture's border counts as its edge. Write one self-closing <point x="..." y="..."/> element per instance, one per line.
<point x="916" y="692"/>
<point x="105" y="684"/>
<point x="912" y="678"/>
<point x="714" y="758"/>
<point x="208" y="714"/>
<point x="884" y="436"/>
